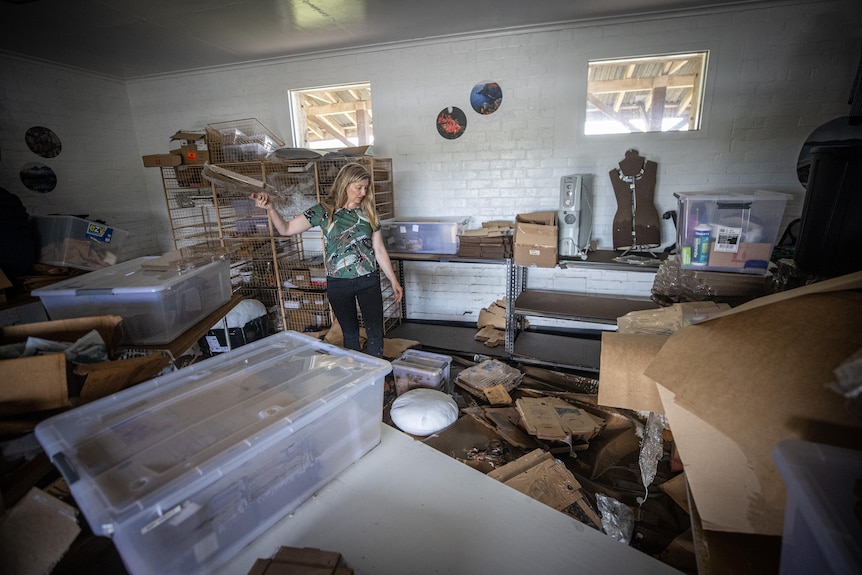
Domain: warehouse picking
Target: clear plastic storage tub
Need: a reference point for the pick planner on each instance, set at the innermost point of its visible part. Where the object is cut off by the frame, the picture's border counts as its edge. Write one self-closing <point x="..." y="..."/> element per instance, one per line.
<point x="728" y="231"/>
<point x="184" y="470"/>
<point x="156" y="305"/>
<point x="417" y="368"/>
<point x="821" y="532"/>
<point x="424" y="236"/>
<point x="68" y="241"/>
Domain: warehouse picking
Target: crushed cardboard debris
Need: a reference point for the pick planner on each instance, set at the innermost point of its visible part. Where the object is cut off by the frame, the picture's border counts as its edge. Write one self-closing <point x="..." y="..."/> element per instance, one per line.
<point x="554" y="419"/>
<point x="301" y="560"/>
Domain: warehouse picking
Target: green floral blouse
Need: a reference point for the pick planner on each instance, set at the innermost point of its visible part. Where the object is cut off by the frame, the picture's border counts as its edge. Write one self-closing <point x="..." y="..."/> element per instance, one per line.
<point x="348" y="250"/>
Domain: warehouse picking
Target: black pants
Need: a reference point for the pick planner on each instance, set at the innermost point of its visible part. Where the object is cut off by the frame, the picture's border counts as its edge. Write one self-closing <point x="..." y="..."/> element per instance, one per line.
<point x="343" y="296"/>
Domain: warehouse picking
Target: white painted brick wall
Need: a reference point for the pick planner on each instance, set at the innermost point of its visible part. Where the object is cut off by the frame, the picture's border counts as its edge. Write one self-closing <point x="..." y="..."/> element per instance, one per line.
<point x="99" y="167"/>
<point x="776" y="72"/>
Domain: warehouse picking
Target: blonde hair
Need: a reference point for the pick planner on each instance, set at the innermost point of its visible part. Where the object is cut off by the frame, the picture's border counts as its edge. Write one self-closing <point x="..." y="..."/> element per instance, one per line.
<point x="348" y="174"/>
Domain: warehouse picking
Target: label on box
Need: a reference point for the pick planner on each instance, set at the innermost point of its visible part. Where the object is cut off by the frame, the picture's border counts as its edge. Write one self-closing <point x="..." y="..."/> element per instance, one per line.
<point x="215" y="346"/>
<point x="727" y="239"/>
<point x="99" y="233"/>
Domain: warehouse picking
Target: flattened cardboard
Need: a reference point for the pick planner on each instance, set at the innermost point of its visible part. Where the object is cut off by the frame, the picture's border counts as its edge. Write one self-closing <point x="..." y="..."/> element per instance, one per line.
<point x="4" y="281"/>
<point x="35" y="533"/>
<point x="520" y="465"/>
<point x="188" y="137"/>
<point x="622" y="383"/>
<point x="108" y="326"/>
<point x="732" y="387"/>
<point x="498" y="395"/>
<point x="554" y="419"/>
<point x="504" y="420"/>
<point x="106" y="378"/>
<point x="30" y="384"/>
<point x="41" y="383"/>
<point x="539" y="476"/>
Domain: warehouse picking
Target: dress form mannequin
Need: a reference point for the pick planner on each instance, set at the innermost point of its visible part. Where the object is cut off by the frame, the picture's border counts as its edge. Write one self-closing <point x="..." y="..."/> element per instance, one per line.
<point x="636" y="222"/>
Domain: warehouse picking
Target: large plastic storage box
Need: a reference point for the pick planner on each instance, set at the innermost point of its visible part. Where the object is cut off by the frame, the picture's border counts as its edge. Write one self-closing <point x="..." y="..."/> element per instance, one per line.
<point x="156" y="305"/>
<point x="424" y="236"/>
<point x="728" y="231"/>
<point x="822" y="533"/>
<point x="68" y="241"/>
<point x="417" y="368"/>
<point x="186" y="469"/>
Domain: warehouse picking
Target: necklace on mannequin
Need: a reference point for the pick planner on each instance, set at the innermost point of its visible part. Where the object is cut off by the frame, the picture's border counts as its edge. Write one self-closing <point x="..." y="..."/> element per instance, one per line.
<point x="630" y="180"/>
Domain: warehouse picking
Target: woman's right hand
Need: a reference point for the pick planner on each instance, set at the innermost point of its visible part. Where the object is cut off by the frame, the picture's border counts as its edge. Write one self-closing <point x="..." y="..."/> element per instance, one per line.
<point x="261" y="199"/>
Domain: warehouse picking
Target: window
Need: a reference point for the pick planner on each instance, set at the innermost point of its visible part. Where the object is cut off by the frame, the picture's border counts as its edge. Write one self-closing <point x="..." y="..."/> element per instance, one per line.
<point x="645" y="94"/>
<point x="332" y="117"/>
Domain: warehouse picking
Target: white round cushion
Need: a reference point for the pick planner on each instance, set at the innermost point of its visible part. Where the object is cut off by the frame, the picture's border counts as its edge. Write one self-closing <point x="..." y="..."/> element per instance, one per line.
<point x="423" y="411"/>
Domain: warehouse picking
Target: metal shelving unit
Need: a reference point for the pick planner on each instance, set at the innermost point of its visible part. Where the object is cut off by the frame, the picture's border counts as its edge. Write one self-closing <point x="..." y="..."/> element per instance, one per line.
<point x="214" y="218"/>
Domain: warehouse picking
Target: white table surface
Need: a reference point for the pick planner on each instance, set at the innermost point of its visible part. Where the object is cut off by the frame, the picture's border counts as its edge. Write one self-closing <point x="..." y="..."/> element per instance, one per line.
<point x="406" y="508"/>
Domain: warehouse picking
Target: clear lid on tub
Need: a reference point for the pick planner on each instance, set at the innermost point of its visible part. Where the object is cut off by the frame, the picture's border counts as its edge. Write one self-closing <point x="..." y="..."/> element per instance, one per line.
<point x="133" y="276"/>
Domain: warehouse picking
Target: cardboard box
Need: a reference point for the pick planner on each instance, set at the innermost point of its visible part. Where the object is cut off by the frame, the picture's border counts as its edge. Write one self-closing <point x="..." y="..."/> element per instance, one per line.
<point x="750" y="258"/>
<point x="47" y="382"/>
<point x="190" y="154"/>
<point x="536" y="240"/>
<point x="735" y="385"/>
<point x="159" y="160"/>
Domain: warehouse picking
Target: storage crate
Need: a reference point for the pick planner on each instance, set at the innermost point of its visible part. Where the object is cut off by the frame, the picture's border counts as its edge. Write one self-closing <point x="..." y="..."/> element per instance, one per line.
<point x="183" y="471"/>
<point x="417" y="368"/>
<point x="729" y="231"/>
<point x="156" y="305"/>
<point x="306" y="310"/>
<point x="821" y="532"/>
<point x="425" y="236"/>
<point x="217" y="340"/>
<point x="246" y="140"/>
<point x="73" y="242"/>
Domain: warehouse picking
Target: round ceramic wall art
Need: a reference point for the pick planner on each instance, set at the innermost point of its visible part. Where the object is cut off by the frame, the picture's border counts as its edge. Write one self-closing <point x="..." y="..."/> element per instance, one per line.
<point x="38" y="177"/>
<point x="451" y="122"/>
<point x="43" y="142"/>
<point x="486" y="97"/>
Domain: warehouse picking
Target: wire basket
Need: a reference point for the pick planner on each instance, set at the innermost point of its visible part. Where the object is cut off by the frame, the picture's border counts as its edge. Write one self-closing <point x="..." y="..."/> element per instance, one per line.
<point x="246" y="140"/>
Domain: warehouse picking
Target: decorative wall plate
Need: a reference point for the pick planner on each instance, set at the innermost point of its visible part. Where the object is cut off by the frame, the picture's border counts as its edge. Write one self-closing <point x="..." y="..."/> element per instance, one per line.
<point x="486" y="97"/>
<point x="38" y="177"/>
<point x="451" y="122"/>
<point x="43" y="142"/>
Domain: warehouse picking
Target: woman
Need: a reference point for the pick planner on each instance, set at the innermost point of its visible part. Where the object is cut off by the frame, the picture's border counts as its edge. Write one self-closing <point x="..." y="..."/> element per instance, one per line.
<point x="353" y="250"/>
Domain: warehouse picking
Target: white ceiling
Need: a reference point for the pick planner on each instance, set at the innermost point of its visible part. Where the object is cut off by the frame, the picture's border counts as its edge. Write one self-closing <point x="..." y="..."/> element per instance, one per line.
<point x="133" y="38"/>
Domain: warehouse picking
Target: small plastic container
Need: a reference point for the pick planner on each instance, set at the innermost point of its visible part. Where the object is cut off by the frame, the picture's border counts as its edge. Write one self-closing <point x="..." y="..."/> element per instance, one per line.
<point x="185" y="470"/>
<point x="417" y="368"/>
<point x="68" y="241"/>
<point x="424" y="236"/>
<point x="821" y="532"/>
<point x="156" y="305"/>
<point x="742" y="229"/>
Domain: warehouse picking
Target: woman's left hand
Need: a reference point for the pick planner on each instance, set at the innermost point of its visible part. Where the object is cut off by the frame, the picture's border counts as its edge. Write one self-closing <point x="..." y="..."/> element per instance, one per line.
<point x="399" y="291"/>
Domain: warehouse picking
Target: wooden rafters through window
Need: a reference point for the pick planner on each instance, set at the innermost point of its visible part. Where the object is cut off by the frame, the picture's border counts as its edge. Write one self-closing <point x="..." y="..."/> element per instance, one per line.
<point x="645" y="93"/>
